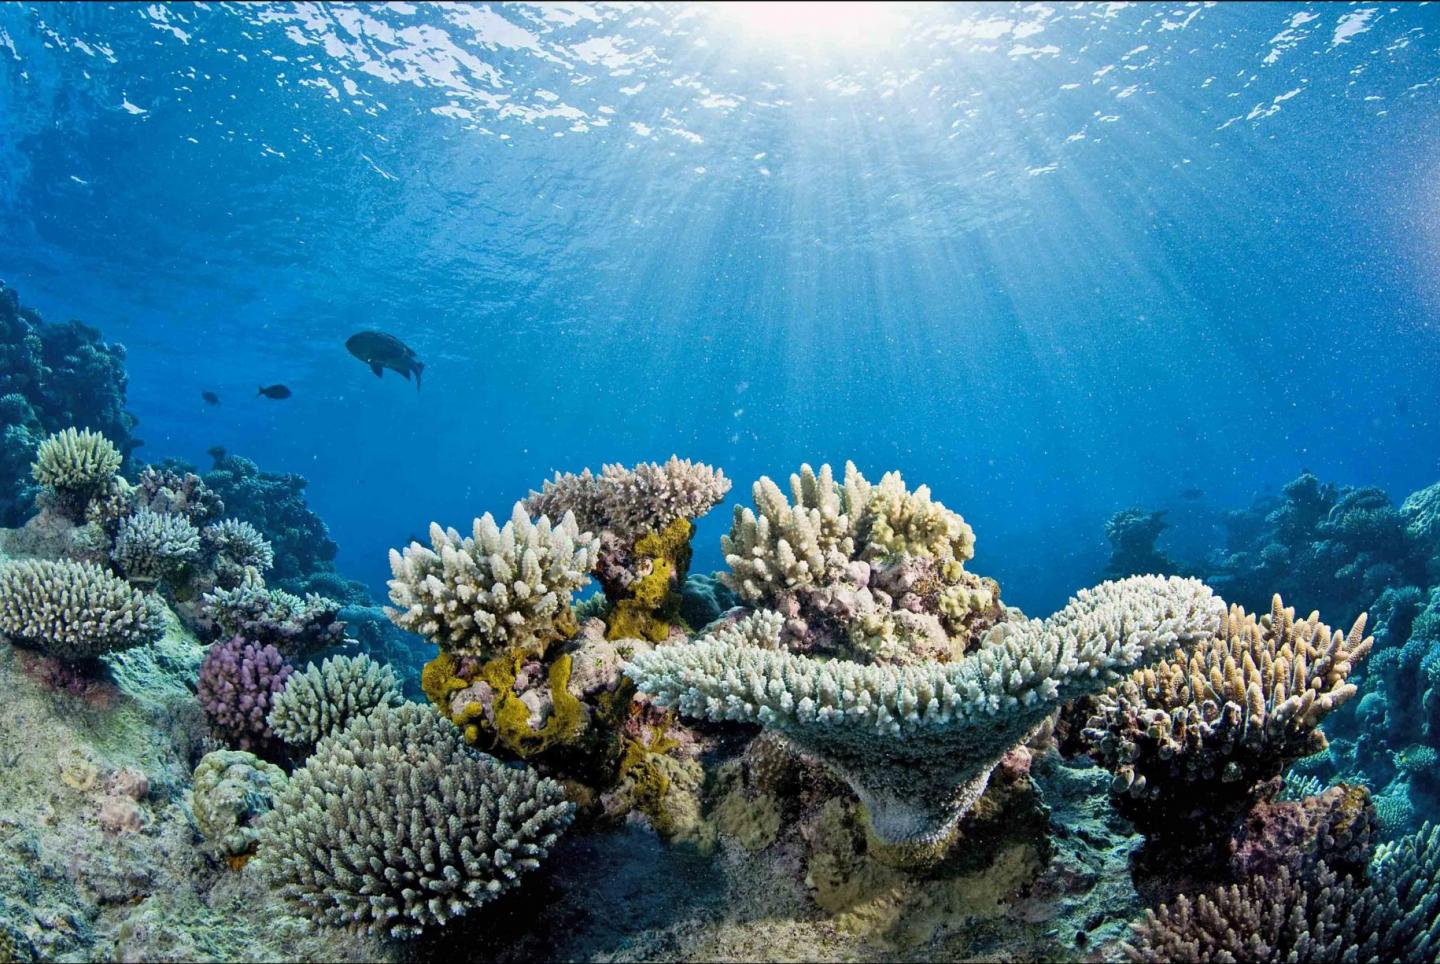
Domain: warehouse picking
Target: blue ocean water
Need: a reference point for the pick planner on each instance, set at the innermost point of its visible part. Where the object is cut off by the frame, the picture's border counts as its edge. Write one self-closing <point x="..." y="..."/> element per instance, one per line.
<point x="1051" y="260"/>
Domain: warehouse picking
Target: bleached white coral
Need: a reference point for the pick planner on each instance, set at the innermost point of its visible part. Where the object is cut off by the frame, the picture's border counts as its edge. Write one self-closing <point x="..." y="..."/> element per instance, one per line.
<point x="76" y="461"/>
<point x="498" y="588"/>
<point x="154" y="545"/>
<point x="74" y="610"/>
<point x="917" y="742"/>
<point x="632" y="502"/>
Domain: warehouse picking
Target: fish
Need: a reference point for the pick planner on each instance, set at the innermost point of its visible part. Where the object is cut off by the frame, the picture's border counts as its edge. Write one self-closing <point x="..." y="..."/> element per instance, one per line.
<point x="210" y="397"/>
<point x="1192" y="494"/>
<point x="381" y="351"/>
<point x="273" y="391"/>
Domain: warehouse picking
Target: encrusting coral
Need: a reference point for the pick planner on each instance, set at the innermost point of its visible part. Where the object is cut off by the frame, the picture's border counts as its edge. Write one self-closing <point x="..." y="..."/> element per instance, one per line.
<point x="917" y="742"/>
<point x="1309" y="915"/>
<point x="322" y="699"/>
<point x="1201" y="737"/>
<point x="394" y="824"/>
<point x="873" y="573"/>
<point x="499" y="588"/>
<point x="74" y="611"/>
<point x="152" y="546"/>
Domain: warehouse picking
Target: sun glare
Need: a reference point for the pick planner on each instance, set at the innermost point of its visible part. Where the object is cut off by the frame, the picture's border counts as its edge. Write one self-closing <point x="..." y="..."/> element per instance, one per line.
<point x="817" y="24"/>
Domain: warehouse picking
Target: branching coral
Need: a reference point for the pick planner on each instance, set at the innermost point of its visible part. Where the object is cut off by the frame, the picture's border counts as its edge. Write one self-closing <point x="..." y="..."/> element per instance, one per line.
<point x="293" y="625"/>
<point x="917" y="742"/>
<point x="500" y="588"/>
<point x="76" y="464"/>
<point x="74" y="610"/>
<point x="239" y="544"/>
<point x="1205" y="733"/>
<point x="870" y="572"/>
<point x="176" y="492"/>
<point x="394" y="825"/>
<point x="237" y="686"/>
<point x="323" y="699"/>
<point x="1314" y="916"/>
<point x="632" y="502"/>
<point x="151" y="546"/>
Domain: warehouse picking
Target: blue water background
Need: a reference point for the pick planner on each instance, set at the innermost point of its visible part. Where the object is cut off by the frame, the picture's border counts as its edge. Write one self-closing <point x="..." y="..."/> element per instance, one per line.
<point x="1050" y="260"/>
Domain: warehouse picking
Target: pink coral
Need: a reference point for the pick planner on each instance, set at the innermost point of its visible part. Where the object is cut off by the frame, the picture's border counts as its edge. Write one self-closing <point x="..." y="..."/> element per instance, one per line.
<point x="238" y="683"/>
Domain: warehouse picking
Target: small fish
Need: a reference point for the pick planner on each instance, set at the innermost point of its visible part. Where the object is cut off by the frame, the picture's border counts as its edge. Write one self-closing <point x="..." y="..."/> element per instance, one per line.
<point x="381" y="351"/>
<point x="210" y="397"/>
<point x="273" y="391"/>
<point x="1192" y="494"/>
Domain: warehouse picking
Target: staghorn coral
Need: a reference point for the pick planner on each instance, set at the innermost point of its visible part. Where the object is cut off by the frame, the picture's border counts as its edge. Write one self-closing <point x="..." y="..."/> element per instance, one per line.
<point x="917" y="743"/>
<point x="630" y="503"/>
<point x="293" y="625"/>
<point x="500" y="588"/>
<point x="869" y="572"/>
<point x="150" y="546"/>
<point x="74" y="465"/>
<point x="237" y="686"/>
<point x="1204" y="734"/>
<point x="394" y="825"/>
<point x="1314" y="915"/>
<point x="322" y="699"/>
<point x="232" y="790"/>
<point x="238" y="544"/>
<point x="74" y="610"/>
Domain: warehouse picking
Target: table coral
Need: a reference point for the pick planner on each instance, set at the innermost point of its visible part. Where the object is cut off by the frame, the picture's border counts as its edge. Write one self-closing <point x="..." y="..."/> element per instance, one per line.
<point x="917" y="742"/>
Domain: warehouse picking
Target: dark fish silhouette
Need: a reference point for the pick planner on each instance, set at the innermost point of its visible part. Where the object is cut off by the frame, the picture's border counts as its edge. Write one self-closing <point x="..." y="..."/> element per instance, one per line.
<point x="273" y="391"/>
<point x="1192" y="494"/>
<point x="210" y="397"/>
<point x="381" y="351"/>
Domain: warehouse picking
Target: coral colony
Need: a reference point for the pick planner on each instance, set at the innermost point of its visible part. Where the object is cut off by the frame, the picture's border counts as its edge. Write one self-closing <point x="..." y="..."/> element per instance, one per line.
<point x="846" y="711"/>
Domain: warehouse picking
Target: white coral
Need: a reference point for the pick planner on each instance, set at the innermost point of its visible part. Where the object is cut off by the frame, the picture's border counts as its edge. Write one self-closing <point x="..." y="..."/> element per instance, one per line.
<point x="153" y="545"/>
<point x="632" y="502"/>
<point x="918" y="742"/>
<point x="497" y="588"/>
<point x="76" y="461"/>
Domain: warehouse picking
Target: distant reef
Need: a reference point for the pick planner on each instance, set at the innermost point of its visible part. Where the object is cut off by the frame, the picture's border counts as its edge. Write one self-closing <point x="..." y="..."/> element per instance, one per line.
<point x="52" y="377"/>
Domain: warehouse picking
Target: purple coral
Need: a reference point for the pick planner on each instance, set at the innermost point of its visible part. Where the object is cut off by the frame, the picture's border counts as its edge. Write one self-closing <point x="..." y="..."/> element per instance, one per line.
<point x="238" y="683"/>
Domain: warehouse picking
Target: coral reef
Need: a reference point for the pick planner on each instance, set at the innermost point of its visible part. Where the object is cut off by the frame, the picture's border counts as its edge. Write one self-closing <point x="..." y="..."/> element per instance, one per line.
<point x="322" y="699"/>
<point x="238" y="682"/>
<point x="496" y="589"/>
<point x="174" y="490"/>
<point x="295" y="626"/>
<point x="1309" y="916"/>
<point x="73" y="610"/>
<point x="232" y="790"/>
<point x="239" y="543"/>
<point x="918" y="742"/>
<point x="151" y="547"/>
<point x="52" y="377"/>
<point x="395" y="824"/>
